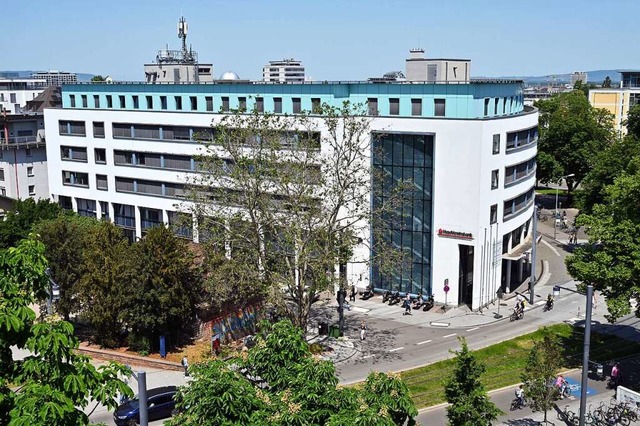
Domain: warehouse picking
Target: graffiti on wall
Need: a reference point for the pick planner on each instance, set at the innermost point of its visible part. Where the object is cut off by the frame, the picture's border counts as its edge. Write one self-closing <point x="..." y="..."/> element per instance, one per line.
<point x="236" y="325"/>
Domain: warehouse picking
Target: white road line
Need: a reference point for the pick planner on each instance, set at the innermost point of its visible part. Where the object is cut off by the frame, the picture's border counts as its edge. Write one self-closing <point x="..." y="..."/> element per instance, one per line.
<point x="551" y="247"/>
<point x="422" y="343"/>
<point x="396" y="349"/>
<point x="368" y="356"/>
<point x="473" y="329"/>
<point x="449" y="335"/>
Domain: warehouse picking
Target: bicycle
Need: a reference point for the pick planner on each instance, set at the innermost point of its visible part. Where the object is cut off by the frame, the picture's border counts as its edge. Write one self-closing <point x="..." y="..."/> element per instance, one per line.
<point x="568" y="416"/>
<point x="518" y="403"/>
<point x="516" y="315"/>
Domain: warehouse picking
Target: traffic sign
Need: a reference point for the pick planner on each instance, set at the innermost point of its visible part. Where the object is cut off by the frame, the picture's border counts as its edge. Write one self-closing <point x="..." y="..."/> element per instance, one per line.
<point x="446" y="285"/>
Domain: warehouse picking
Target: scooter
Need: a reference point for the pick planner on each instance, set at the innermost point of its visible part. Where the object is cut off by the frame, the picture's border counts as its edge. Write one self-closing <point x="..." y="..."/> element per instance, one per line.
<point x="418" y="302"/>
<point x="368" y="293"/>
<point x="430" y="303"/>
<point x="386" y="296"/>
<point x="395" y="298"/>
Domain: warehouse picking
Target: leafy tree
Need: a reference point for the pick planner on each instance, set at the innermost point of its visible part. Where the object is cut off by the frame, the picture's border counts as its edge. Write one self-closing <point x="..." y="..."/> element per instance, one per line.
<point x="611" y="260"/>
<point x="606" y="83"/>
<point x="65" y="240"/>
<point x="572" y="133"/>
<point x="53" y="384"/>
<point x="98" y="79"/>
<point x="162" y="297"/>
<point x="539" y="374"/>
<point x="633" y="122"/>
<point x="470" y="403"/>
<point x="25" y="214"/>
<point x="107" y="273"/>
<point x="291" y="210"/>
<point x="280" y="383"/>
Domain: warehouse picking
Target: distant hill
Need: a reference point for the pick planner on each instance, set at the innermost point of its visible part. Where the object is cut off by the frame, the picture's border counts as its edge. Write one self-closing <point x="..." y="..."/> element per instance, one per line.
<point x="595" y="77"/>
<point x="27" y="73"/>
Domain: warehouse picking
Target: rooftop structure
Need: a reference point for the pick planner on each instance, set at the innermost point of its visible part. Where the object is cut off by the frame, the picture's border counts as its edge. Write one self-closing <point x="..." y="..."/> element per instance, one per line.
<point x="284" y="71"/>
<point x="420" y="68"/>
<point x="16" y="92"/>
<point x="619" y="100"/>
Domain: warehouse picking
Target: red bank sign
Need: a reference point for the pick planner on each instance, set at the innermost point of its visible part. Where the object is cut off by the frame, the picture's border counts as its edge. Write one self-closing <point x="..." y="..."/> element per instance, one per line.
<point x="455" y="234"/>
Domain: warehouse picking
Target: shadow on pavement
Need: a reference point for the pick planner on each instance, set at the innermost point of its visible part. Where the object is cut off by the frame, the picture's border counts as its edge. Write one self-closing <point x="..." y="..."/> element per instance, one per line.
<point x="522" y="422"/>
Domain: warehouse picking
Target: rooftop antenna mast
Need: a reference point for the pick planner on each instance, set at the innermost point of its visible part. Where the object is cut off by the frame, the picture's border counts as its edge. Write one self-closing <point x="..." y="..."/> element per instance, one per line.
<point x="183" y="28"/>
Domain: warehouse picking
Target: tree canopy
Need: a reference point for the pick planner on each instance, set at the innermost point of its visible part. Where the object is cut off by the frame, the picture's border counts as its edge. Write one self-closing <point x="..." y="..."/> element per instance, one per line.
<point x="21" y="219"/>
<point x="279" y="382"/>
<point x="633" y="122"/>
<point x="51" y="385"/>
<point x="470" y="403"/>
<point x="572" y="133"/>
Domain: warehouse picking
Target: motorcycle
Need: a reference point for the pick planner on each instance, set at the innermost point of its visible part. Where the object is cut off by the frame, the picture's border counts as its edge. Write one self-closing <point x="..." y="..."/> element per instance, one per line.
<point x="385" y="296"/>
<point x="368" y="293"/>
<point x="430" y="303"/>
<point x="418" y="302"/>
<point x="395" y="298"/>
<point x="549" y="305"/>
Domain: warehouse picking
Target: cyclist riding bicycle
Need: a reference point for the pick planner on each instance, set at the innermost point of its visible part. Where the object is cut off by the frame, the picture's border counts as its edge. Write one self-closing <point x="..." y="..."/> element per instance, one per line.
<point x="561" y="384"/>
<point x="520" y="395"/>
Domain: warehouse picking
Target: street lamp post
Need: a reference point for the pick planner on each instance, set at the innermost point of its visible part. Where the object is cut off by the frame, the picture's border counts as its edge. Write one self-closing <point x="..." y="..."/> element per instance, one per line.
<point x="555" y="217"/>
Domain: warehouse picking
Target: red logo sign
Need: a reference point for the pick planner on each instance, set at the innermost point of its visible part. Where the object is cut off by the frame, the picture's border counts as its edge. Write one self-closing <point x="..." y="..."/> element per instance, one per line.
<point x="455" y="234"/>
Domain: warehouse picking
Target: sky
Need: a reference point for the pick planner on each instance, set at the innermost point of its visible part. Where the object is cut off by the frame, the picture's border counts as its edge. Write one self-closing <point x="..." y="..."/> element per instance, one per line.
<point x="335" y="39"/>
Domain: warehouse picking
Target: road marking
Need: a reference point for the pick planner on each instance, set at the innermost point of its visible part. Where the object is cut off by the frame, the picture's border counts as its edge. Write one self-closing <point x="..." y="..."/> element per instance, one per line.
<point x="361" y="310"/>
<point x="473" y="329"/>
<point x="396" y="349"/>
<point x="552" y="248"/>
<point x="439" y="324"/>
<point x="540" y="302"/>
<point x="449" y="335"/>
<point x="422" y="343"/>
<point x="368" y="356"/>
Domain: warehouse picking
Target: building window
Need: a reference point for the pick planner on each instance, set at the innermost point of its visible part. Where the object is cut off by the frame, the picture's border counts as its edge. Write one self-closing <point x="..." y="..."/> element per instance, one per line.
<point x="28" y="152"/>
<point x="73" y="153"/>
<point x="260" y="104"/>
<point x="104" y="209"/>
<point x="277" y="105"/>
<point x="149" y="102"/>
<point x="122" y="101"/>
<point x="3" y="191"/>
<point x="100" y="155"/>
<point x="439" y="107"/>
<point x="72" y="99"/>
<point x="96" y="101"/>
<point x="178" y="100"/>
<point x="65" y="202"/>
<point x="297" y="105"/>
<point x="98" y="129"/>
<point x="163" y="102"/>
<point x="1" y="175"/>
<point x="504" y="105"/>
<point x="316" y="106"/>
<point x="30" y="171"/>
<point x="86" y="208"/>
<point x="32" y="190"/>
<point x="84" y="101"/>
<point x="101" y="182"/>
<point x="495" y="106"/>
<point x="12" y="99"/>
<point x="136" y="102"/>
<point x="494" y="179"/>
<point x="372" y="104"/>
<point x="194" y="103"/>
<point x="416" y="107"/>
<point x="496" y="144"/>
<point x="225" y="104"/>
<point x="208" y="100"/>
<point x="75" y="128"/>
<point x="486" y="107"/>
<point x="109" y="101"/>
<point x="75" y="178"/>
<point x="394" y="106"/>
<point x="242" y="103"/>
<point x="493" y="215"/>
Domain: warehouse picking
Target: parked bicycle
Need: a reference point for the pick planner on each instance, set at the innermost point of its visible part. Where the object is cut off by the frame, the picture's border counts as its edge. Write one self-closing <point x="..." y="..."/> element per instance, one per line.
<point x="568" y="416"/>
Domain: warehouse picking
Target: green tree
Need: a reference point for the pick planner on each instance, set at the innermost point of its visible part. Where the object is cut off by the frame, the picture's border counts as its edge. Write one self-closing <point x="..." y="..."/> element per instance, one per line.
<point x="97" y="79"/>
<point x="470" y="403"/>
<point x="633" y="122"/>
<point x="279" y="382"/>
<point x="539" y="374"/>
<point x="162" y="297"/>
<point x="53" y="384"/>
<point x="611" y="260"/>
<point x="65" y="240"/>
<point x="606" y="83"/>
<point x="572" y="133"/>
<point x="107" y="274"/>
<point x="25" y="214"/>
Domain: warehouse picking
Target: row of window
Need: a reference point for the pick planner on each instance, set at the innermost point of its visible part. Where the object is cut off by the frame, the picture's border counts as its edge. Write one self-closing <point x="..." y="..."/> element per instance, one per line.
<point x="518" y="204"/>
<point x="519" y="171"/>
<point x="521" y="138"/>
<point x="81" y="179"/>
<point x="149" y="187"/>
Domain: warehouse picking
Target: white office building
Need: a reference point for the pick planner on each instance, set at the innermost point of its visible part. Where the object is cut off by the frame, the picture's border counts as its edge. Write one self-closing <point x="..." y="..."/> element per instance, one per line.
<point x="16" y="92"/>
<point x="284" y="71"/>
<point x="56" y="78"/>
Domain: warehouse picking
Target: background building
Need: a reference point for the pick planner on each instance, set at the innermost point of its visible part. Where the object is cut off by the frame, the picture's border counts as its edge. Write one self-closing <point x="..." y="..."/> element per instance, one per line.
<point x="124" y="151"/>
<point x="16" y="92"/>
<point x="284" y="71"/>
<point x="578" y="76"/>
<point x="56" y="78"/>
<point x="618" y="100"/>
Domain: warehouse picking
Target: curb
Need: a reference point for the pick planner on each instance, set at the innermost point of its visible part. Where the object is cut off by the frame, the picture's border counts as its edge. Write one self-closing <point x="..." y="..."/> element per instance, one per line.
<point x="127" y="359"/>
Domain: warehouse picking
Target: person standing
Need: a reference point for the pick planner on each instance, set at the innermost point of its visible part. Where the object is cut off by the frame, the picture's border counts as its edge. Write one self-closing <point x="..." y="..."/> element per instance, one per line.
<point x="407" y="305"/>
<point x="185" y="364"/>
<point x="363" y="330"/>
<point x="352" y="296"/>
<point x="615" y="374"/>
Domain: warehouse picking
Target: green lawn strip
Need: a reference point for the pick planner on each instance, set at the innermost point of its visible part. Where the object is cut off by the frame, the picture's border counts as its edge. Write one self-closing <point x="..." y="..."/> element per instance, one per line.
<point x="505" y="361"/>
<point x="551" y="191"/>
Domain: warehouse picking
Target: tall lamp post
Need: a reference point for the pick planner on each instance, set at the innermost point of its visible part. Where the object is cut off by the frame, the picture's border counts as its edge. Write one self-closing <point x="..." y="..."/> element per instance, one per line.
<point x="555" y="217"/>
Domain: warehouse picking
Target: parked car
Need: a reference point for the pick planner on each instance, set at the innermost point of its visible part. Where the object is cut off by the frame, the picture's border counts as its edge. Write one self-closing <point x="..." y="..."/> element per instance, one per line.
<point x="160" y="403"/>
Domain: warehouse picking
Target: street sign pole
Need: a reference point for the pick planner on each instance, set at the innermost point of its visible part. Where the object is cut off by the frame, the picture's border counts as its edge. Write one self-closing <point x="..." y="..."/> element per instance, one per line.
<point x="585" y="355"/>
<point x="446" y="292"/>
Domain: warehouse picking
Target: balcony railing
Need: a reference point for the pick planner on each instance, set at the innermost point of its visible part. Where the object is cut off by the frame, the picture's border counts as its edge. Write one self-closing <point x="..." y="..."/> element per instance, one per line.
<point x="21" y="139"/>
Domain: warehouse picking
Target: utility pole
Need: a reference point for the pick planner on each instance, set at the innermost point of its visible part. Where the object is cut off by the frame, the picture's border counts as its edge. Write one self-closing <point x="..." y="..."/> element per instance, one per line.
<point x="532" y="279"/>
<point x="585" y="355"/>
<point x="143" y="403"/>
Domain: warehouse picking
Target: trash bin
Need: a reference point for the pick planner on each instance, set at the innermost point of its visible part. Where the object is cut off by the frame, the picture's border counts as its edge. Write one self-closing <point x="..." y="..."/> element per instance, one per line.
<point x="334" y="330"/>
<point x="323" y="328"/>
<point x="556" y="290"/>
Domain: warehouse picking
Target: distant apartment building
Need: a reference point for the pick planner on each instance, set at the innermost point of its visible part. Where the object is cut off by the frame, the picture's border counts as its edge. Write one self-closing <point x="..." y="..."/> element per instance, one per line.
<point x="284" y="71"/>
<point x="578" y="76"/>
<point x="56" y="78"/>
<point x="16" y="92"/>
<point x="618" y="100"/>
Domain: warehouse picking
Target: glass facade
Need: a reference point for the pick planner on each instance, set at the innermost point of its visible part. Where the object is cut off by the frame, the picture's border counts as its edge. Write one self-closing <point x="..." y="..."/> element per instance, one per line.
<point x="402" y="183"/>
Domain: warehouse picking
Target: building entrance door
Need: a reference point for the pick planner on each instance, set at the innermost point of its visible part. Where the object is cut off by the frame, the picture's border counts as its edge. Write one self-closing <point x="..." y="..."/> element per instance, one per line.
<point x="465" y="278"/>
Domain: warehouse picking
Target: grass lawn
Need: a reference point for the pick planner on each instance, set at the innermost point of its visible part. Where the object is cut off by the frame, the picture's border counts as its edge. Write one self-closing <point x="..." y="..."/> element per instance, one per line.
<point x="505" y="361"/>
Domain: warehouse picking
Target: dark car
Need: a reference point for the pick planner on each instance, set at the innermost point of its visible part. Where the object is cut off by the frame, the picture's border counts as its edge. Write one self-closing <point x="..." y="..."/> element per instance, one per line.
<point x="159" y="400"/>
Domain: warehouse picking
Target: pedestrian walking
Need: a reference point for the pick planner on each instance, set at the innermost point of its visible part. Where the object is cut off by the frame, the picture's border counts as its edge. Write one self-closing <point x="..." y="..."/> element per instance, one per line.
<point x="407" y="305"/>
<point x="185" y="364"/>
<point x="363" y="330"/>
<point x="352" y="296"/>
<point x="594" y="301"/>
